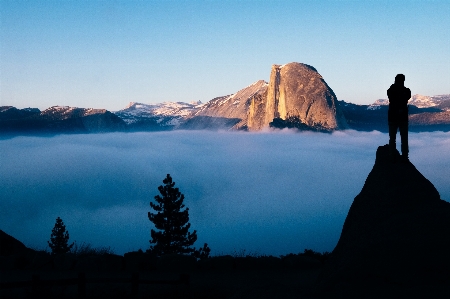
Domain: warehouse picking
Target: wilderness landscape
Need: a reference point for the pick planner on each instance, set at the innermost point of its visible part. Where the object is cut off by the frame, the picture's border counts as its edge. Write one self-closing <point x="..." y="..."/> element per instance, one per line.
<point x="271" y="118"/>
<point x="250" y="195"/>
<point x="271" y="192"/>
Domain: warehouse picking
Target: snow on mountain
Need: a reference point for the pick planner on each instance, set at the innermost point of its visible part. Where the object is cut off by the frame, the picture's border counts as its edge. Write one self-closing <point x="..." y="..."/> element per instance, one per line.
<point x="174" y="115"/>
<point x="422" y="101"/>
<point x="377" y="104"/>
<point x="169" y="115"/>
<point x="234" y="105"/>
<point x="66" y="112"/>
<point x="165" y="114"/>
<point x="444" y="101"/>
<point x="419" y="101"/>
<point x="439" y="101"/>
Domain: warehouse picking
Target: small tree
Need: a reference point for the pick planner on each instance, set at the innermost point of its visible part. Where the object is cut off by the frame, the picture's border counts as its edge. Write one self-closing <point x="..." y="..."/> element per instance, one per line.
<point x="172" y="222"/>
<point x="59" y="238"/>
<point x="202" y="253"/>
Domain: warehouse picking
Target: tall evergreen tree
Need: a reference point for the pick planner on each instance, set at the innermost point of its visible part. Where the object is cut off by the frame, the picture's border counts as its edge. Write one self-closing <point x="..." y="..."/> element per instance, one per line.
<point x="171" y="221"/>
<point x="59" y="238"/>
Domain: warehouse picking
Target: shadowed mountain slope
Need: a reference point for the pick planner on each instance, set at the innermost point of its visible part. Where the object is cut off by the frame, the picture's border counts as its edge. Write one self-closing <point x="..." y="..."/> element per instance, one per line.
<point x="395" y="238"/>
<point x="10" y="245"/>
<point x="58" y="119"/>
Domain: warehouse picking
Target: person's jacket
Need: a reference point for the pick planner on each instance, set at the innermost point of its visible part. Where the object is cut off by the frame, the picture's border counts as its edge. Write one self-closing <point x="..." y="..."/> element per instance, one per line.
<point x="398" y="103"/>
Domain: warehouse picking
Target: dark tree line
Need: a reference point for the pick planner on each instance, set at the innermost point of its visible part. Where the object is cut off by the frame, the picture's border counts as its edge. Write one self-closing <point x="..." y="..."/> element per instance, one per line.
<point x="171" y="221"/>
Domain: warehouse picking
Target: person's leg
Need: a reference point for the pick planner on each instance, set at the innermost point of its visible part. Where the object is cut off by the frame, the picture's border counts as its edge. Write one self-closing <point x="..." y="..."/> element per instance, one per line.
<point x="404" y="139"/>
<point x="392" y="137"/>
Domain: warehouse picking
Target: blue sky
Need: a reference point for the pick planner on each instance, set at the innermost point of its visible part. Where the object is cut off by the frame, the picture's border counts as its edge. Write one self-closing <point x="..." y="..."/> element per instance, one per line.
<point x="105" y="54"/>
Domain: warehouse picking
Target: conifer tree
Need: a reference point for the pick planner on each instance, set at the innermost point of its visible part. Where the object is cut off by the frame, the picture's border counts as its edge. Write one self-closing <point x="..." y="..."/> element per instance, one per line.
<point x="59" y="238"/>
<point x="171" y="221"/>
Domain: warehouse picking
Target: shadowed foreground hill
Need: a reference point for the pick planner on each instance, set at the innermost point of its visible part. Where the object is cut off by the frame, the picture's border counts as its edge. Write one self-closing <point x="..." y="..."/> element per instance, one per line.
<point x="395" y="242"/>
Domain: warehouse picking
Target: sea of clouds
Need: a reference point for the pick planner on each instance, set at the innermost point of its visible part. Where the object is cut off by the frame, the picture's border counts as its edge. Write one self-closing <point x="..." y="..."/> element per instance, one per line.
<point x="267" y="192"/>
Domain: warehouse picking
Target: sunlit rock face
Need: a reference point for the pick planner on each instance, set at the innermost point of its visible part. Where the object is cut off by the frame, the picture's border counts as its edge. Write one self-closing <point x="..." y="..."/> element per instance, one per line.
<point x="396" y="235"/>
<point x="296" y="90"/>
<point x="231" y="111"/>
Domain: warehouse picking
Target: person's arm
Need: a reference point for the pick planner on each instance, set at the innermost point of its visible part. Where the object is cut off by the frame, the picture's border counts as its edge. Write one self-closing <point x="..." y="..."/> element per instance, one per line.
<point x="389" y="93"/>
<point x="407" y="97"/>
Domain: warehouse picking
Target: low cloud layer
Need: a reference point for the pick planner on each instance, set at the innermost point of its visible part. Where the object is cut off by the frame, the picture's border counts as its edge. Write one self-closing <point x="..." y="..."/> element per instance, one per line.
<point x="268" y="193"/>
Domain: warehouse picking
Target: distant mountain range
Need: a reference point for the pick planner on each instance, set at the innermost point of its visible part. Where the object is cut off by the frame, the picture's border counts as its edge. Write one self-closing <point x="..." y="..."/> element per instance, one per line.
<point x="295" y="97"/>
<point x="426" y="113"/>
<point x="58" y="119"/>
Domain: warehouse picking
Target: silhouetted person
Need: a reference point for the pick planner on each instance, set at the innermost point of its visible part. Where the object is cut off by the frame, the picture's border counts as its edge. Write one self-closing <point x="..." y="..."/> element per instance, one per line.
<point x="398" y="96"/>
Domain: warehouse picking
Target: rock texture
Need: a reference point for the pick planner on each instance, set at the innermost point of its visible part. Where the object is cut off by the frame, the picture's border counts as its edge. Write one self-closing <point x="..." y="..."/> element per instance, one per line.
<point x="156" y="117"/>
<point x="431" y="119"/>
<point x="228" y="111"/>
<point x="297" y="90"/>
<point x="440" y="101"/>
<point x="395" y="239"/>
<point x="294" y="90"/>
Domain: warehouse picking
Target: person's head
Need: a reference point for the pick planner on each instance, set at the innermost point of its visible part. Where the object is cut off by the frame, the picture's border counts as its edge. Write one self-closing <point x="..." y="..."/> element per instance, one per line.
<point x="400" y="79"/>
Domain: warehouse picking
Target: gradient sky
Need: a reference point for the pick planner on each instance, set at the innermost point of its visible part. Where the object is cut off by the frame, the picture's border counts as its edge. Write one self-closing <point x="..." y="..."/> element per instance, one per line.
<point x="105" y="54"/>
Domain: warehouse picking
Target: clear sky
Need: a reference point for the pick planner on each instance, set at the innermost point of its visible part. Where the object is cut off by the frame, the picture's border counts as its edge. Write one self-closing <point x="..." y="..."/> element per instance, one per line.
<point x="105" y="54"/>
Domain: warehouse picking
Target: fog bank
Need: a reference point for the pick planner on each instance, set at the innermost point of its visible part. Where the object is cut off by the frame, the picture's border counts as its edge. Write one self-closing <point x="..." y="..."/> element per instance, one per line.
<point x="267" y="192"/>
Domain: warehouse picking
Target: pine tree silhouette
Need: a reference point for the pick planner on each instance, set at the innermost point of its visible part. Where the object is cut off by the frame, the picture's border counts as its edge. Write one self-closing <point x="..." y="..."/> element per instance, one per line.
<point x="172" y="222"/>
<point x="59" y="238"/>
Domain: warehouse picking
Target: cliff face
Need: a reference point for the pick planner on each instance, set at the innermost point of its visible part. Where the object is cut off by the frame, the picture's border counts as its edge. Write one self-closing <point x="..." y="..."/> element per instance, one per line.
<point x="396" y="234"/>
<point x="294" y="90"/>
<point x="297" y="90"/>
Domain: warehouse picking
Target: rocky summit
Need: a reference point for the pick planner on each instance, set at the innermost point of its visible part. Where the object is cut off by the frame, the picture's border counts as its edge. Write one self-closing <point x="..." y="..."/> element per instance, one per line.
<point x="297" y="91"/>
<point x="395" y="239"/>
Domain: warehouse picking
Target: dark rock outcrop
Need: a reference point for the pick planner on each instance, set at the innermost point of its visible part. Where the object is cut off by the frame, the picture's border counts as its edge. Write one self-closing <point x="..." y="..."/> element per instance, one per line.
<point x="395" y="238"/>
<point x="10" y="245"/>
<point x="15" y="255"/>
<point x="58" y="119"/>
<point x="11" y="113"/>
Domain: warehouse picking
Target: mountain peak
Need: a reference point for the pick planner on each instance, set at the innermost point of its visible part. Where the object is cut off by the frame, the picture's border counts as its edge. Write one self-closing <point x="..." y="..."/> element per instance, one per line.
<point x="297" y="91"/>
<point x="396" y="233"/>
